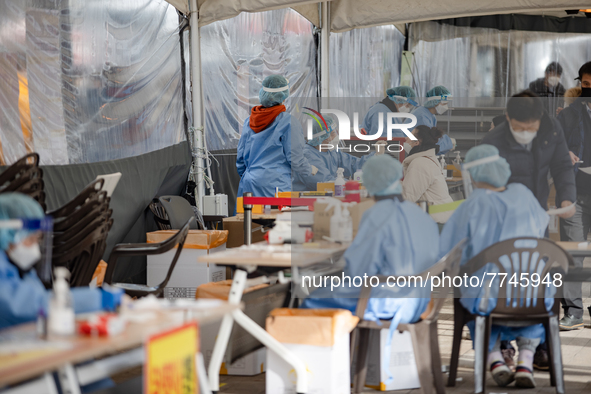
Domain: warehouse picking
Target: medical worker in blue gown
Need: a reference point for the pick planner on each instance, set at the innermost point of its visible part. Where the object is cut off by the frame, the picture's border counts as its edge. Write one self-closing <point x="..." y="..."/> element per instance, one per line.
<point x="495" y="212"/>
<point x="437" y="102"/>
<point x="22" y="295"/>
<point x="395" y="237"/>
<point x="401" y="99"/>
<point x="271" y="146"/>
<point x="327" y="159"/>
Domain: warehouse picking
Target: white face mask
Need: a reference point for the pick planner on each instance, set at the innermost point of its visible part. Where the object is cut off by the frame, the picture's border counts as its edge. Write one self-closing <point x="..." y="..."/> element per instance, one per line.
<point x="523" y="137"/>
<point x="553" y="81"/>
<point x="25" y="256"/>
<point x="442" y="108"/>
<point x="404" y="109"/>
<point x="407" y="147"/>
<point x="335" y="142"/>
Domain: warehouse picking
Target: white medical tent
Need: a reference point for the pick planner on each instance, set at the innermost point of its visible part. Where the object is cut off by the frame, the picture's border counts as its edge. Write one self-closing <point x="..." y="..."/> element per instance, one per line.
<point x="122" y="85"/>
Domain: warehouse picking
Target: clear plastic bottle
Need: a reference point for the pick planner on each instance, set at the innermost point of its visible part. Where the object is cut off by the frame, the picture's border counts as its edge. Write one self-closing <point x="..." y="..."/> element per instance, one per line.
<point x="339" y="183"/>
<point x="346" y="226"/>
<point x="335" y="223"/>
<point x="358" y="176"/>
<point x="61" y="320"/>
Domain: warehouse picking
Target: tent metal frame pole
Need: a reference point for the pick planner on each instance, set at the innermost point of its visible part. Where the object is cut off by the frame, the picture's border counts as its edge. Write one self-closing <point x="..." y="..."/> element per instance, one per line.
<point x="197" y="102"/>
<point x="324" y="49"/>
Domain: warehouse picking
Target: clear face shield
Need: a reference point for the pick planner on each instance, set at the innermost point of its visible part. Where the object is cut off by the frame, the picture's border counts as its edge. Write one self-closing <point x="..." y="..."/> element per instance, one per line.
<point x="467" y="178"/>
<point x="32" y="246"/>
<point x="408" y="104"/>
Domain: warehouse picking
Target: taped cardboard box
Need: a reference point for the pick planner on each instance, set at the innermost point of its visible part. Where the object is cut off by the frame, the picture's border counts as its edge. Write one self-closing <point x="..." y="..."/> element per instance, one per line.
<point x="320" y="338"/>
<point x="322" y="217"/>
<point x="235" y="227"/>
<point x="258" y="301"/>
<point x="188" y="273"/>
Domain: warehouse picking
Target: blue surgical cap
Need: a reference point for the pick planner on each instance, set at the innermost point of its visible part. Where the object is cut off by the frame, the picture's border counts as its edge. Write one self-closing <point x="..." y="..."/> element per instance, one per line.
<point x="17" y="206"/>
<point x="402" y="95"/>
<point x="279" y="87"/>
<point x="436" y="95"/>
<point x="319" y="133"/>
<point x="494" y="173"/>
<point x="380" y="173"/>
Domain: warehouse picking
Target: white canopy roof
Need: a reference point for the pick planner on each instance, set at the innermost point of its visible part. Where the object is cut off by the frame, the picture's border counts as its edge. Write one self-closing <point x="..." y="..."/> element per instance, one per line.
<point x="350" y="14"/>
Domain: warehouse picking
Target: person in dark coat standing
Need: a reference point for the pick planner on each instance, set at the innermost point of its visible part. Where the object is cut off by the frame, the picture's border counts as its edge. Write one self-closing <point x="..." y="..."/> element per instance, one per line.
<point x="550" y="89"/>
<point x="576" y="123"/>
<point x="533" y="144"/>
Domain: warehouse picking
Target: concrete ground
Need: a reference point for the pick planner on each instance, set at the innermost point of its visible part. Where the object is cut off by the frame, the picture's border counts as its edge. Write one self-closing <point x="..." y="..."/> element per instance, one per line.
<point x="576" y="353"/>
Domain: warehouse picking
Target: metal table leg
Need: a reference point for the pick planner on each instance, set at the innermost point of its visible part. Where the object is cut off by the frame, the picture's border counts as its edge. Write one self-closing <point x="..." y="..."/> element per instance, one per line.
<point x="256" y="331"/>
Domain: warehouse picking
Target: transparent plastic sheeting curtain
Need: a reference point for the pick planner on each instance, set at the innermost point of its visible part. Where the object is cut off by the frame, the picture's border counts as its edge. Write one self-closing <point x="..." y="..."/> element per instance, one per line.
<point x="483" y="62"/>
<point x="238" y="53"/>
<point x="365" y="62"/>
<point x="103" y="79"/>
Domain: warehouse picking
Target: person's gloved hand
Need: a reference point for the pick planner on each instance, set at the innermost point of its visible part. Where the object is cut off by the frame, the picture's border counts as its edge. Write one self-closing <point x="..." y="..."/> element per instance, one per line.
<point x="380" y="147"/>
<point x="111" y="297"/>
<point x="314" y="170"/>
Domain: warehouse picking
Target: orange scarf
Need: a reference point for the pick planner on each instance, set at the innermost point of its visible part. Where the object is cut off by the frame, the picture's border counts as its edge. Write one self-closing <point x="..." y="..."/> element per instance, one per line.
<point x="261" y="117"/>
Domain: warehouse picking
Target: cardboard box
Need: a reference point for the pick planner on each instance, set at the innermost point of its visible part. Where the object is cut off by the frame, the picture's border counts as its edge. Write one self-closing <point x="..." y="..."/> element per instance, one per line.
<point x="402" y="362"/>
<point x="322" y="217"/>
<point x="320" y="338"/>
<point x="325" y="187"/>
<point x="288" y="194"/>
<point x="235" y="227"/>
<point x="188" y="273"/>
<point x="249" y="365"/>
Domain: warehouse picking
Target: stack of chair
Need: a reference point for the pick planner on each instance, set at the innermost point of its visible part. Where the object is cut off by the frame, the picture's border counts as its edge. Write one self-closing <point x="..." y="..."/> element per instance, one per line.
<point x="24" y="176"/>
<point x="80" y="232"/>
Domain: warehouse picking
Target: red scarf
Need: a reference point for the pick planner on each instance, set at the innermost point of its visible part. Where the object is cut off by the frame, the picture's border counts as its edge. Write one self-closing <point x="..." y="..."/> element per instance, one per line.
<point x="261" y="117"/>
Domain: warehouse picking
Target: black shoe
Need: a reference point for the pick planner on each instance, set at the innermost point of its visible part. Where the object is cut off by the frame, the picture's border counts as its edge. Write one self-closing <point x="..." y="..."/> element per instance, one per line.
<point x="541" y="360"/>
<point x="569" y="323"/>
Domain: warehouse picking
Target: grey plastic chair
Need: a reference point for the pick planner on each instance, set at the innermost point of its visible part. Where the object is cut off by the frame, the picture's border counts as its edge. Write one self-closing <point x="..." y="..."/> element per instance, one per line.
<point x="425" y="342"/>
<point x="179" y="211"/>
<point x="542" y="255"/>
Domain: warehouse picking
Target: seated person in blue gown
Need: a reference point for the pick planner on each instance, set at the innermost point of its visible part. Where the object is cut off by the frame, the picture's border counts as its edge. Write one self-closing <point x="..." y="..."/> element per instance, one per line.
<point x="495" y="212"/>
<point x="22" y="294"/>
<point x="395" y="237"/>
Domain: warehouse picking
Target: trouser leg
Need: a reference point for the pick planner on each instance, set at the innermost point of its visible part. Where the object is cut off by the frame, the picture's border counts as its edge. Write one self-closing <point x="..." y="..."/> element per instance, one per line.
<point x="572" y="230"/>
<point x="527" y="343"/>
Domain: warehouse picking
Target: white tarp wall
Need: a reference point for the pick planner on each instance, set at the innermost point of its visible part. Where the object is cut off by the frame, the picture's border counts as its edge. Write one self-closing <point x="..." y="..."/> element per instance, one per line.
<point x="103" y="79"/>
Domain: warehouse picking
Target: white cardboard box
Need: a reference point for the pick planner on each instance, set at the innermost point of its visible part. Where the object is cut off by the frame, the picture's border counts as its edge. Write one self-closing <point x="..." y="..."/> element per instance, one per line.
<point x="328" y="369"/>
<point x="402" y="362"/>
<point x="188" y="273"/>
<point x="249" y="365"/>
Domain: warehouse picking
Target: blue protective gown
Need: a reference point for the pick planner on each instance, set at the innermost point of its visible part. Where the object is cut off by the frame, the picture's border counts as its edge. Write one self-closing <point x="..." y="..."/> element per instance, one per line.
<point x="327" y="163"/>
<point x="267" y="159"/>
<point x="486" y="218"/>
<point x="21" y="299"/>
<point x="426" y="118"/>
<point x="371" y="121"/>
<point x="393" y="239"/>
